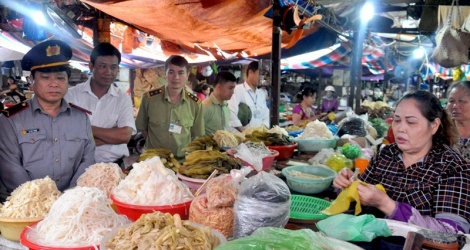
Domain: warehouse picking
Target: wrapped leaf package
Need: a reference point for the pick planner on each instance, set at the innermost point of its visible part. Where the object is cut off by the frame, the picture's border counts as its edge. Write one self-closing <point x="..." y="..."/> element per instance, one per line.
<point x="263" y="201"/>
<point x="348" y="227"/>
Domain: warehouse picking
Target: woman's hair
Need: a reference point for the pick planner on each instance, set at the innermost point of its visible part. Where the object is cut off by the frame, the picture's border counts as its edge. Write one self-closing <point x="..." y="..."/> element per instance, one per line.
<point x="463" y="84"/>
<point x="202" y="87"/>
<point x="308" y="91"/>
<point x="430" y="107"/>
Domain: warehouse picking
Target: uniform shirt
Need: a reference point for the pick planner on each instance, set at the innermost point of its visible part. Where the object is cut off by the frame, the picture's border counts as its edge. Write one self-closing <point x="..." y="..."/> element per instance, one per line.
<point x="34" y="145"/>
<point x="157" y="113"/>
<point x="439" y="183"/>
<point x="216" y="115"/>
<point x="113" y="110"/>
<point x="255" y="100"/>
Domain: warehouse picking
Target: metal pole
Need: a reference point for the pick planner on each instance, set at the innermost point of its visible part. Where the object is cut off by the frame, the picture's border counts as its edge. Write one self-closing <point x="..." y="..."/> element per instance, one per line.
<point x="276" y="62"/>
<point x="356" y="64"/>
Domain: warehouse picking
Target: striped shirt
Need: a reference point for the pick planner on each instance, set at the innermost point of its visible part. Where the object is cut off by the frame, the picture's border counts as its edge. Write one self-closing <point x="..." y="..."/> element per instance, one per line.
<point x="439" y="183"/>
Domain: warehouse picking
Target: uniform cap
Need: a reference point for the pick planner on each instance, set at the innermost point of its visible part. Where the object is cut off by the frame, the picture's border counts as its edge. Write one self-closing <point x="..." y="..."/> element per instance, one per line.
<point x="330" y="88"/>
<point x="48" y="54"/>
<point x="244" y="113"/>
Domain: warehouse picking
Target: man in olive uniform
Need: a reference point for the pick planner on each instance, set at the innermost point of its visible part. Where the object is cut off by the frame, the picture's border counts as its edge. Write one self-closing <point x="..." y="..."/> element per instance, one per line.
<point x="45" y="136"/>
<point x="170" y="117"/>
<point x="216" y="111"/>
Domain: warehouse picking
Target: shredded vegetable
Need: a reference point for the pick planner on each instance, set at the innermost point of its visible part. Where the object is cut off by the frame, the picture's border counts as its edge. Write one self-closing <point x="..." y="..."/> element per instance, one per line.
<point x="219" y="218"/>
<point x="105" y="176"/>
<point x="31" y="199"/>
<point x="316" y="130"/>
<point x="225" y="138"/>
<point x="295" y="173"/>
<point x="278" y="130"/>
<point x="80" y="217"/>
<point x="162" y="231"/>
<point x="150" y="183"/>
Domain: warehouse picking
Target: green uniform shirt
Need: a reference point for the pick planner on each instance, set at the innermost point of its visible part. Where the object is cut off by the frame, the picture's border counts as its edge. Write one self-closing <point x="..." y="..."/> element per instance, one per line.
<point x="216" y="115"/>
<point x="157" y="113"/>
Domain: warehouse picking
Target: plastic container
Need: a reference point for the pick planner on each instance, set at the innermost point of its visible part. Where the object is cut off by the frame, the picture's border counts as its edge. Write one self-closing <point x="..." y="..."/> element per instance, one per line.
<point x="192" y="183"/>
<point x="28" y="242"/>
<point x="315" y="145"/>
<point x="11" y="228"/>
<point x="309" y="186"/>
<point x="307" y="208"/>
<point x="267" y="161"/>
<point x="295" y="133"/>
<point x="361" y="164"/>
<point x="133" y="212"/>
<point x="285" y="152"/>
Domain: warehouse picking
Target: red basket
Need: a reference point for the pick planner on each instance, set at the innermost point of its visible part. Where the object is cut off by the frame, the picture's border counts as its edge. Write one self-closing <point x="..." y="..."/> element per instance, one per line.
<point x="25" y="241"/>
<point x="285" y="152"/>
<point x="267" y="161"/>
<point x="133" y="212"/>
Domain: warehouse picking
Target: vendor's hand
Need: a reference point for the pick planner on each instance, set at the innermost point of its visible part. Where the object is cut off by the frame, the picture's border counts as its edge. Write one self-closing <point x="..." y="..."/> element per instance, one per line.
<point x="370" y="195"/>
<point x="344" y="178"/>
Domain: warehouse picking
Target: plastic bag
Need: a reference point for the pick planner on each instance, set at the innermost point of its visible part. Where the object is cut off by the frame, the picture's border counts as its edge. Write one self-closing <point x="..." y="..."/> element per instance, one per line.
<point x="262" y="201"/>
<point x="221" y="192"/>
<point x="348" y="227"/>
<point x="220" y="219"/>
<point x="251" y="155"/>
<point x="352" y="126"/>
<point x="280" y="239"/>
<point x="338" y="161"/>
<point x="322" y="156"/>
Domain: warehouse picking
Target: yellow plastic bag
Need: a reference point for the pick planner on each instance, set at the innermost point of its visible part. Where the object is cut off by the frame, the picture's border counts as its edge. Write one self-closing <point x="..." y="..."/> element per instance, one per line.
<point x="344" y="199"/>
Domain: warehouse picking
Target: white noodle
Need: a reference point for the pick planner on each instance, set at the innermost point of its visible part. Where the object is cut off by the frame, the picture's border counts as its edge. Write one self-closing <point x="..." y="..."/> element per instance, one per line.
<point x="150" y="183"/>
<point x="80" y="217"/>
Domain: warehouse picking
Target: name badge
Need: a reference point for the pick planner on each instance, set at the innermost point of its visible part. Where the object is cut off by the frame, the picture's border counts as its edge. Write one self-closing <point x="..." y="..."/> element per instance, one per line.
<point x="257" y="114"/>
<point x="175" y="128"/>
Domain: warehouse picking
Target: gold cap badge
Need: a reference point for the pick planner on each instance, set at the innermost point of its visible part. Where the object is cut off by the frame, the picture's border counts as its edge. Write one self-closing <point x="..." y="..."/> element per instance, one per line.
<point x="53" y="50"/>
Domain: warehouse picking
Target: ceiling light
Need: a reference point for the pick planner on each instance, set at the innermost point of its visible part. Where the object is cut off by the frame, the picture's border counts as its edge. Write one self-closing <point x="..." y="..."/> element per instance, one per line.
<point x="419" y="53"/>
<point x="39" y="18"/>
<point x="367" y="11"/>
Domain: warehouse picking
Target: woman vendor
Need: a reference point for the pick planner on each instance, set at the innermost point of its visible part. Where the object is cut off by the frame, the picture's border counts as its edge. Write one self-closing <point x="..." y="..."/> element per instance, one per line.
<point x="329" y="102"/>
<point x="458" y="105"/>
<point x="305" y="110"/>
<point x="427" y="183"/>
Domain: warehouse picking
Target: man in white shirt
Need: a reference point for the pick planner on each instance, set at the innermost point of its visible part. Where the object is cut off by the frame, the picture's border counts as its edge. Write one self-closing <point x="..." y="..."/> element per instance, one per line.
<point x="255" y="99"/>
<point x="112" y="115"/>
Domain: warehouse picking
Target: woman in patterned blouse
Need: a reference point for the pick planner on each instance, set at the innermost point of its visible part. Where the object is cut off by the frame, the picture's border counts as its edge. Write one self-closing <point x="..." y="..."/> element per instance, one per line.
<point x="458" y="104"/>
<point x="305" y="110"/>
<point x="427" y="183"/>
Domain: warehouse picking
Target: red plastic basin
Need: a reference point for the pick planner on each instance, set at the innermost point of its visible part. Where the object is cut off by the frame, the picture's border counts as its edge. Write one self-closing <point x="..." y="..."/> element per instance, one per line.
<point x="27" y="241"/>
<point x="285" y="152"/>
<point x="133" y="212"/>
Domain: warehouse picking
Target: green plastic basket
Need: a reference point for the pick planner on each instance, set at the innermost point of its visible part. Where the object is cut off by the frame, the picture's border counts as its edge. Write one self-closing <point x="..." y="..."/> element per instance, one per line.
<point x="307" y="208"/>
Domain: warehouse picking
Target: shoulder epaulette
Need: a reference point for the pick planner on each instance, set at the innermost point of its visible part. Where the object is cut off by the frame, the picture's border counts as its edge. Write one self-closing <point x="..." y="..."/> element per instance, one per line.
<point x="154" y="92"/>
<point x="80" y="108"/>
<point x="193" y="97"/>
<point x="11" y="111"/>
